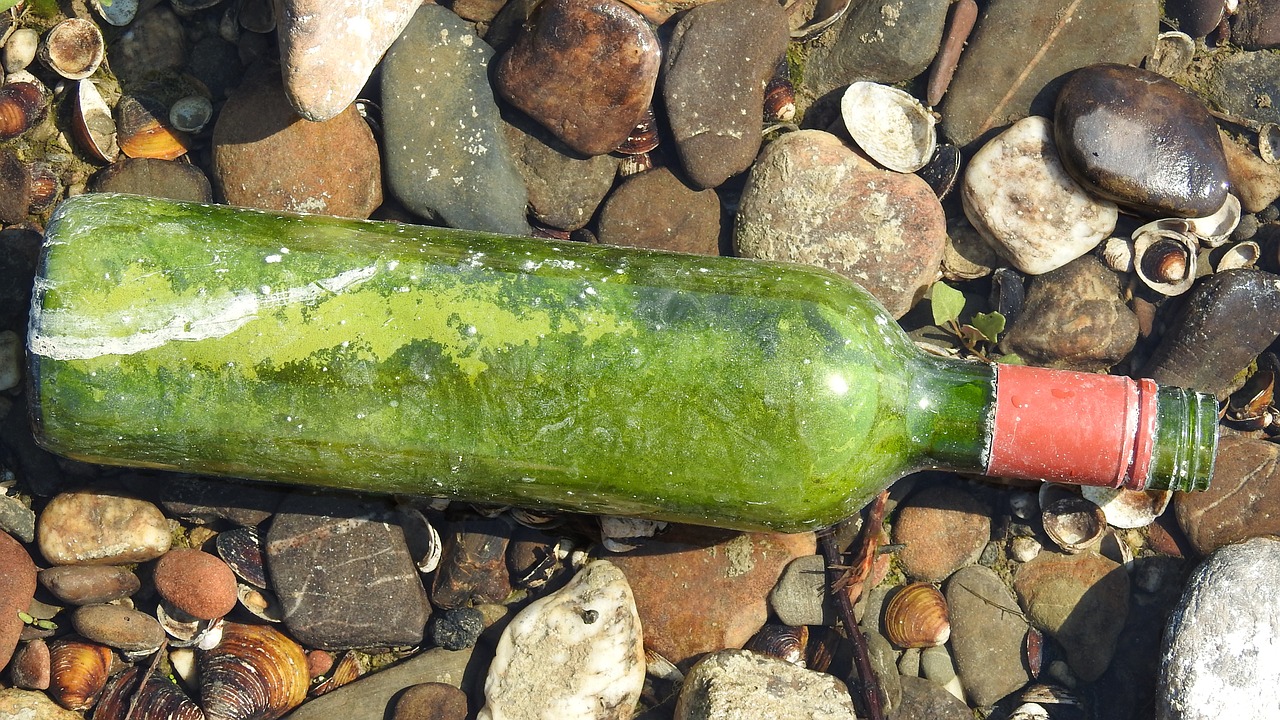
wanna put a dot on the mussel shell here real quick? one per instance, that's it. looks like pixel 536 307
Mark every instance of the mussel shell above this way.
pixel 917 617
pixel 78 671
pixel 142 129
pixel 785 642
pixel 22 106
pixel 943 170
pixel 157 699
pixel 73 48
pixel 1074 523
pixel 241 548
pixel 1213 230
pixel 892 127
pixel 348 668
pixel 643 137
pixel 93 125
pixel 1124 508
pixel 780 96
pixel 46 188
pixel 1164 255
pixel 254 673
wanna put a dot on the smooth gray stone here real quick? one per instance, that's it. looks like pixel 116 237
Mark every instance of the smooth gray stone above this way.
pixel 1240 82
pixel 17 519
pixel 564 189
pixel 800 597
pixel 882 42
pixel 927 700
pixel 987 632
pixel 368 697
pixel 445 152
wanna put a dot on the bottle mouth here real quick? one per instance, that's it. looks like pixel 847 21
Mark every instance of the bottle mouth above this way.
pixel 1186 440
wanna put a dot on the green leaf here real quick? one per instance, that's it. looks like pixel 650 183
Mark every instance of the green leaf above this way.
pixel 989 324
pixel 25 618
pixel 947 302
pixel 1011 359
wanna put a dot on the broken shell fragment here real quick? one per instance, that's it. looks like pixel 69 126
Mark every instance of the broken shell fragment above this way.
pixel 1269 143
pixel 241 549
pixel 917 617
pixel 191 113
pixel 891 126
pixel 1213 230
pixel 1117 253
pixel 93 126
pixel 1074 523
pixel 73 48
pixel 22 106
pixel 1172 53
pixel 643 137
pixel 160 697
pixel 260 603
pixel 1125 508
pixel 1241 255
pixel 1164 256
pixel 46 188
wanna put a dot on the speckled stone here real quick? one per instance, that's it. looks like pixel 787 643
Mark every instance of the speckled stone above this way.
pixel 987 634
pixel 943 528
pixel 1256 25
pixel 1247 85
pixel 741 685
pixel 32 705
pixel 656 209
pixel 88 528
pixel 17 587
pixel 1243 501
pixel 881 42
pixel 564 189
pixel 118 627
pixel 196 583
pixel 1140 140
pixel 89 584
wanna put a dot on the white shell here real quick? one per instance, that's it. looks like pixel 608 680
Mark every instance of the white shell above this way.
pixel 1269 143
pixel 1125 508
pixel 1117 253
pixel 1213 230
pixel 615 532
pixel 95 128
pixel 1074 523
pixel 1241 255
pixel 1172 53
pixel 1162 233
pixel 74 48
pixel 422 538
pixel 191 113
pixel 891 126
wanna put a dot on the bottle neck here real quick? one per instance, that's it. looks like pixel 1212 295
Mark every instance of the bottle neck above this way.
pixel 1061 426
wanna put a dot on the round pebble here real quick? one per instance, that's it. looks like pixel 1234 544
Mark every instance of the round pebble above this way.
pixel 196 583
pixel 118 627
pixel 17 585
pixel 431 701
pixel 88 528
pixel 943 529
pixel 29 668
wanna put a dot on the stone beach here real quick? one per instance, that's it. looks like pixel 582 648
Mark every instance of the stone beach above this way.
pixel 1100 194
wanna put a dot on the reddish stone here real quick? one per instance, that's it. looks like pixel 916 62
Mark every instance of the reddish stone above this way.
pixel 657 210
pixel 17 587
pixel 196 582
pixel 943 529
pixel 1243 499
pixel 700 590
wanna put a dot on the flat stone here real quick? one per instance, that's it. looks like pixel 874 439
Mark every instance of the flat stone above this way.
pixel 195 582
pixel 118 627
pixel 154 178
pixel 927 700
pixel 1138 139
pixel 89 584
pixel 800 597
pixel 1220 657
pixel 431 701
pixel 369 697
pixel 1074 318
pixel 266 156
pixel 742 685
pixel 811 199
pixel 1020 198
pixel 32 705
pixel 1247 85
pixel 455 166
pixel 589 632
pixel 17 519
pixel 207 500
pixel 17 587
pixel 473 566
pixel 1243 500
pixel 656 209
pixel 343 574
pixel 1256 25
pixel 881 42
pixel 584 69
pixel 328 49
pixel 1020 53
pixel 717 62
pixel 943 528
pixel 564 189
pixel 89 528
pixel 987 632
pixel 700 590
pixel 1082 601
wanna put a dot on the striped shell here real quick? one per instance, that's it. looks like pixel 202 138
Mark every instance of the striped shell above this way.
pixel 255 673
pixel 917 617
pixel 78 670
pixel 158 699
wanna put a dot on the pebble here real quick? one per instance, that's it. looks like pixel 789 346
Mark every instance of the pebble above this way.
pixel 17 587
pixel 1140 140
pixel 203 501
pixel 987 632
pixel 659 210
pixel 1082 601
pixel 699 590
pixel 811 199
pixel 927 700
pixel 564 189
pixel 473 567
pixel 265 156
pixel 1019 197
pixel 369 697
pixel 1075 318
pixel 589 632
pixel 29 669
pixel 542 73
pixel 155 178
pixel 32 705
pixel 1196 18
pixel 456 167
pixel 20 49
pixel 1227 320
pixel 196 583
pixel 89 584
pixel 1220 657
pixel 431 701
pixel 1256 25
pixel 118 627
pixel 343 574
pixel 17 519
pixel 1242 502
pixel 1255 181
pixel 1019 54
pixel 1247 85
pixel 328 49
pixel 151 46
pixel 84 527
pixel 741 685
pixel 943 529
pixel 716 64
pixel 455 629
pixel 882 42
pixel 800 596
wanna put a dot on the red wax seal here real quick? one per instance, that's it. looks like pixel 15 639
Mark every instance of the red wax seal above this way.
pixel 1071 427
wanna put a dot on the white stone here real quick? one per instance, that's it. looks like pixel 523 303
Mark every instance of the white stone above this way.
pixel 1221 655
pixel 1019 197
pixel 328 49
pixel 742 685
pixel 20 49
pixel 576 654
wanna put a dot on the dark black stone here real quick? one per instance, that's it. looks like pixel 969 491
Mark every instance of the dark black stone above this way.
pixel 456 629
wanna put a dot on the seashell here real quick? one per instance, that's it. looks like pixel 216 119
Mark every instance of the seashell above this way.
pixel 619 534
pixel 254 673
pixel 158 699
pixel 22 106
pixel 422 538
pixel 78 671
pixel 1033 646
pixel 780 96
pixel 1269 143
pixel 1239 256
pixel 1029 711
pixel 183 662
pixel 117 12
pixel 634 165
pixel 1164 256
pixel 191 113
pixel 1113 547
pixel 537 520
pixel 942 172
pixel 1024 548
pixel 1213 230
pixel 1117 254
pixel 241 549
pixel 890 125
pixel 1172 53
pixel 785 642
pixel 1074 523
pixel 141 132
pixel 92 124
pixel 46 188
pixel 73 48
pixel 1051 492
pixel 185 630
pixel 1124 508
pixel 260 602
pixel 643 137
pixel 348 668
pixel 20 49
pixel 917 617
pixel 657 666
pixel 966 255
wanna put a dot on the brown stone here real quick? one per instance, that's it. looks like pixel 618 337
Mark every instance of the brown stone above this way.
pixel 266 156
pixel 17 586
pixel 88 528
pixel 196 582
pixel 30 670
pixel 89 584
pixel 473 563
pixel 1243 499
pixel 943 529
pixel 700 590
pixel 657 210
pixel 584 69
pixel 1255 181
pixel 431 701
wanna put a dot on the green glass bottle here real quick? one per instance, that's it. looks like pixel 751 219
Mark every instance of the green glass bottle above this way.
pixel 406 359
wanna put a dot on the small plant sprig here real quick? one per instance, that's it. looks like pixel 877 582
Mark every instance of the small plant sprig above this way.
pixel 36 622
pixel 980 335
